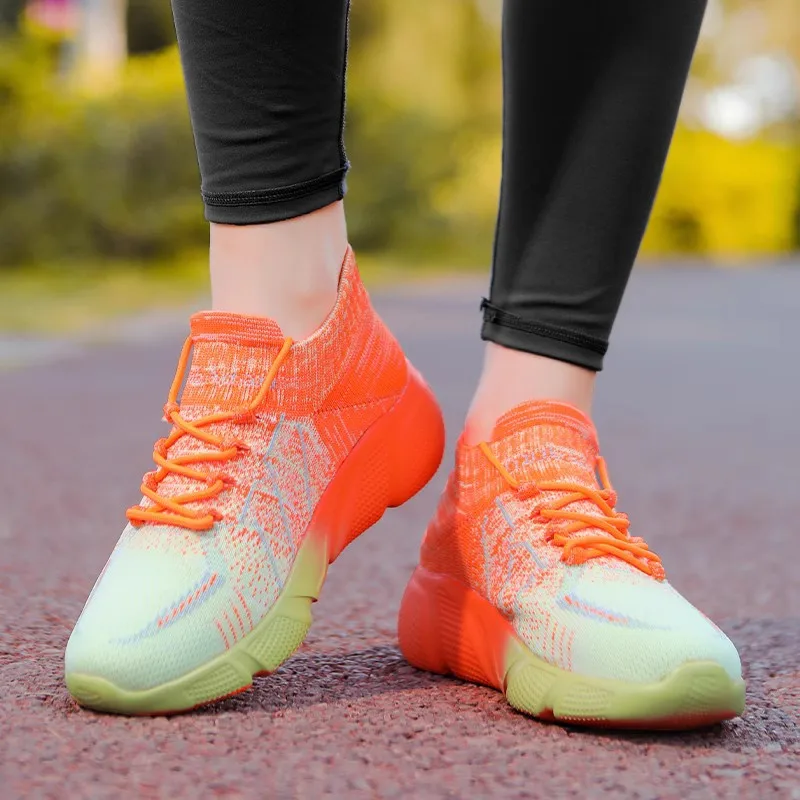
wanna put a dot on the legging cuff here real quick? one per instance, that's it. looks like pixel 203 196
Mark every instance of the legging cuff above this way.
pixel 509 330
pixel 256 207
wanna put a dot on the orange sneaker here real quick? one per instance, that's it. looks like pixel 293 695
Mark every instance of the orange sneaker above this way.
pixel 280 454
pixel 529 582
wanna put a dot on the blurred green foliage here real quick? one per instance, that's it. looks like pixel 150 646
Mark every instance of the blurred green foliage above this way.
pixel 109 176
pixel 726 198
pixel 150 26
pixel 10 11
pixel 112 175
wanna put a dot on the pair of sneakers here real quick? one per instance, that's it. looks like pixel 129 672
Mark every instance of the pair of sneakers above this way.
pixel 281 453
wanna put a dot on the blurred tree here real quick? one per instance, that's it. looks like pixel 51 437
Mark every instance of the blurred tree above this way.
pixel 10 11
pixel 150 26
pixel 423 126
pixel 112 174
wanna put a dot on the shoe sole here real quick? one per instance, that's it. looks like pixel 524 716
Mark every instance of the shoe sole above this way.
pixel 375 476
pixel 448 628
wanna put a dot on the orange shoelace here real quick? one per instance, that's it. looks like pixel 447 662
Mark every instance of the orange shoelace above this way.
pixel 578 549
pixel 174 511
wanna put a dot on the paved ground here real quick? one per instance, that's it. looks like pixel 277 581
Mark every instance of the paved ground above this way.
pixel 698 416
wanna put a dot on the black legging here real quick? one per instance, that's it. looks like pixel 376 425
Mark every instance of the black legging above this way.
pixel 591 93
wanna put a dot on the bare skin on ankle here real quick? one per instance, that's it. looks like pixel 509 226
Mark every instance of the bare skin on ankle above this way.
pixel 511 377
pixel 288 270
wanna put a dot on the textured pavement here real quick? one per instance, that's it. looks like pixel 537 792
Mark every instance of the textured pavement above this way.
pixel 697 412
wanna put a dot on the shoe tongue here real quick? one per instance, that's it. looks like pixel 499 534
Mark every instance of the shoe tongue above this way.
pixel 231 355
pixel 547 441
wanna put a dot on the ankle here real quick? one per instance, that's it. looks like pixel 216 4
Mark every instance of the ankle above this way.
pixel 287 271
pixel 511 377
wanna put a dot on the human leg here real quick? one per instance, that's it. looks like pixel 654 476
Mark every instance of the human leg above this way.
pixel 591 94
pixel 529 580
pixel 265 83
pixel 281 452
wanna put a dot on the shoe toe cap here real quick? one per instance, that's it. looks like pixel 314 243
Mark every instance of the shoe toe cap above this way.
pixel 150 619
pixel 623 625
pixel 654 630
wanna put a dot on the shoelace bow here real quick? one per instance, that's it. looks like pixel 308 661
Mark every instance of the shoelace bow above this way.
pixel 174 510
pixel 579 549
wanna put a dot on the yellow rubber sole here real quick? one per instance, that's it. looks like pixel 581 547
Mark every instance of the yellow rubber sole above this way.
pixel 695 694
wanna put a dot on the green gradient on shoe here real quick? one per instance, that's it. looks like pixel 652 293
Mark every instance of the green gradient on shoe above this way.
pixel 263 650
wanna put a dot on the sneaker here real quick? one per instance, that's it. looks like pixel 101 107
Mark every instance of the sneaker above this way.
pixel 281 453
pixel 530 582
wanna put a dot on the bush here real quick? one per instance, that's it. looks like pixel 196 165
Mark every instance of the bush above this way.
pixel 114 176
pixel 95 177
pixel 150 26
pixel 10 12
pixel 84 177
pixel 726 198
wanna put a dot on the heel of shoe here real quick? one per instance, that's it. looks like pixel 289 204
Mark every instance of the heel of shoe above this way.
pixel 446 627
pixel 393 460
pixel 417 440
pixel 418 627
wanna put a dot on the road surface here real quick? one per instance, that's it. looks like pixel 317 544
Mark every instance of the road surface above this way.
pixel 698 415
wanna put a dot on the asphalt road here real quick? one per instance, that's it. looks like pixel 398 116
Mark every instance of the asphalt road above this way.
pixel 698 415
